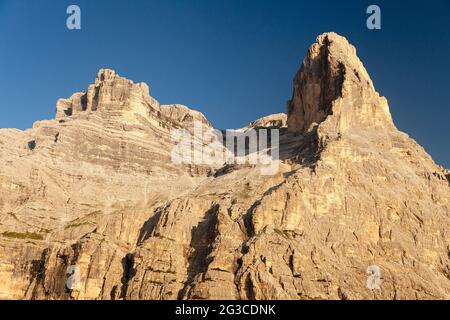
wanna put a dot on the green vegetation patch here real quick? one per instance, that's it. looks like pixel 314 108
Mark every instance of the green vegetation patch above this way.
pixel 78 224
pixel 26 235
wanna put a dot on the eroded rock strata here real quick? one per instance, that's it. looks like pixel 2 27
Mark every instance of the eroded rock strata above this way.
pixel 96 188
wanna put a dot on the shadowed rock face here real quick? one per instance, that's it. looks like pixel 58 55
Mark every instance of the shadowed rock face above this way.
pixel 96 188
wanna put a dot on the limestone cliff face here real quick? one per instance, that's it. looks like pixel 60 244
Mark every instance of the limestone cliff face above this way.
pixel 79 188
pixel 333 81
pixel 96 188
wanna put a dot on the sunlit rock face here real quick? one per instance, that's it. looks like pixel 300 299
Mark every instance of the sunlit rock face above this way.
pixel 96 189
pixel 333 81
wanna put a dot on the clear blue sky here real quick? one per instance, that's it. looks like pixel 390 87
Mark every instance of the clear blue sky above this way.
pixel 232 60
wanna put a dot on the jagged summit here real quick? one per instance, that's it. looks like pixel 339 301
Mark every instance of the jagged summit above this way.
pixel 111 95
pixel 105 74
pixel 118 98
pixel 333 81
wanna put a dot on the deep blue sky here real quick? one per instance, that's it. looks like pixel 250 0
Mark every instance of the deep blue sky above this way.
pixel 232 60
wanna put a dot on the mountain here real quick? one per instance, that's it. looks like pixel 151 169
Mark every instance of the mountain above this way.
pixel 97 189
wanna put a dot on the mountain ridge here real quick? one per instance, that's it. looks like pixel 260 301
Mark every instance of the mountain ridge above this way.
pixel 96 189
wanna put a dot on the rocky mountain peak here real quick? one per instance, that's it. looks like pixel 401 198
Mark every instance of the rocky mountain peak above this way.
pixel 109 76
pixel 333 81
pixel 105 75
pixel 277 120
pixel 119 99
pixel 101 194
pixel 112 96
